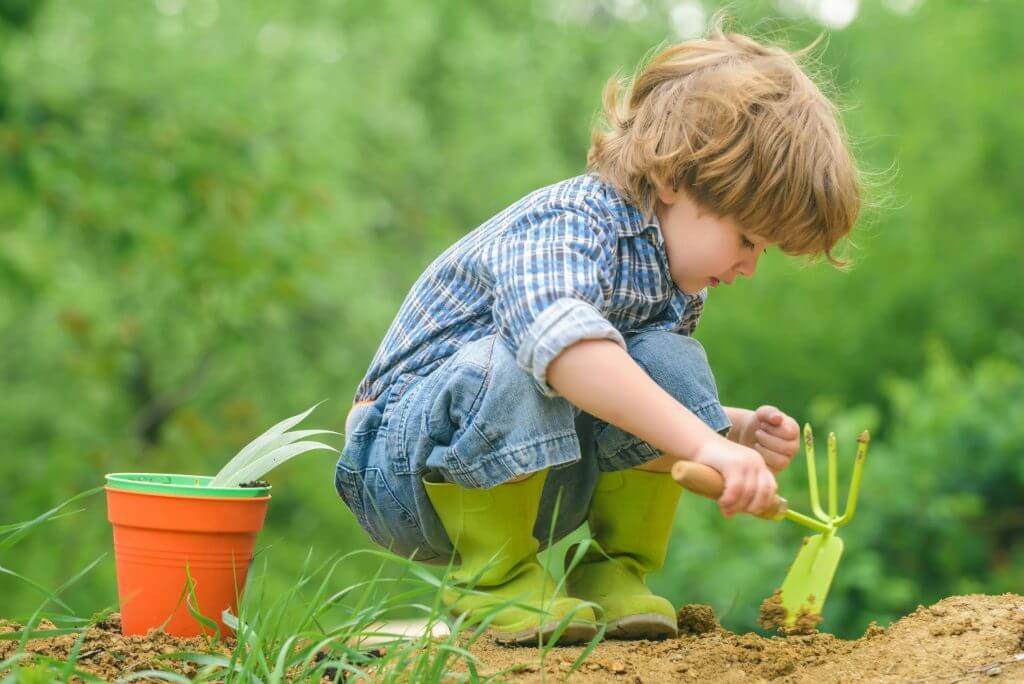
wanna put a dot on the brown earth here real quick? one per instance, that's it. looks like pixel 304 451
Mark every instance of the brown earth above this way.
pixel 108 654
pixel 960 639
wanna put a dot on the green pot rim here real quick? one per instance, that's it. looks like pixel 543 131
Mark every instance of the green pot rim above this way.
pixel 183 485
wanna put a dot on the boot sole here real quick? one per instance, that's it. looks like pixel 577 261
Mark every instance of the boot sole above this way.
pixel 651 626
pixel 575 633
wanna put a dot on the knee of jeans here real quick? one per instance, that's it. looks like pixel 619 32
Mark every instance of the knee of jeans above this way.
pixel 510 428
pixel 678 364
pixel 507 408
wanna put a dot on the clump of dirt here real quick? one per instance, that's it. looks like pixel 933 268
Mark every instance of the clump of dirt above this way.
pixel 773 617
pixel 960 638
pixel 773 614
pixel 873 630
pixel 807 622
pixel 255 484
pixel 697 618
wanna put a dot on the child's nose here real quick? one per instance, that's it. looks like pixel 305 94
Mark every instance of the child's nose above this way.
pixel 748 267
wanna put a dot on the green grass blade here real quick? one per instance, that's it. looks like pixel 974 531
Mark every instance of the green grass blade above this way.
pixel 69 666
pixel 281 664
pixel 11 527
pixel 79 575
pixel 307 616
pixel 192 605
pixel 588 649
pixel 38 587
pixel 309 667
pixel 10 662
pixel 155 674
pixel 58 666
pixel 13 534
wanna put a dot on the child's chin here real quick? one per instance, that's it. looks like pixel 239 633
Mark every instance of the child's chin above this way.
pixel 691 288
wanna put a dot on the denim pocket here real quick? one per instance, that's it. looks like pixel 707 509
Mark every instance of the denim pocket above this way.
pixel 400 407
pixel 373 502
pixel 348 484
pixel 453 399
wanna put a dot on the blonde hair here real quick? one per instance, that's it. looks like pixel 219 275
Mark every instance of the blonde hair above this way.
pixel 743 131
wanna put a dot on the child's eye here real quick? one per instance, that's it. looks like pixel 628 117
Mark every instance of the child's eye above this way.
pixel 747 244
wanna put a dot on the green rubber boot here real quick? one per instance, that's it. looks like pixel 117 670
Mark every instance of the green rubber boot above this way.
pixel 492 531
pixel 631 519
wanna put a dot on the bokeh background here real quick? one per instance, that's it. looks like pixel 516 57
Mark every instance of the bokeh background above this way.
pixel 210 212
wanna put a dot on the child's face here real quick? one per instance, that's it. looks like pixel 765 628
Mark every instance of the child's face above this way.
pixel 704 250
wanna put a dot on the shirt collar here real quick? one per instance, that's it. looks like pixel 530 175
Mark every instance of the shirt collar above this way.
pixel 651 231
pixel 634 225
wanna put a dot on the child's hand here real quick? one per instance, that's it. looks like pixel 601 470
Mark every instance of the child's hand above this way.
pixel 772 434
pixel 749 486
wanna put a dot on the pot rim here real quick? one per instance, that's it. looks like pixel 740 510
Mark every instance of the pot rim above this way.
pixel 177 484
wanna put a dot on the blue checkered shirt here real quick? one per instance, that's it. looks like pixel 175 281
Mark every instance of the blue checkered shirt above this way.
pixel 568 262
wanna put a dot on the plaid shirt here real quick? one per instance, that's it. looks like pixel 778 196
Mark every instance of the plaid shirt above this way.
pixel 568 262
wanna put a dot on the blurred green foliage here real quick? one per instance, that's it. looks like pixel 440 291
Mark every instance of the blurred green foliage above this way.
pixel 210 212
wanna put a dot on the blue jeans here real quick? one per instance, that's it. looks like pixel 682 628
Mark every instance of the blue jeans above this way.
pixel 479 420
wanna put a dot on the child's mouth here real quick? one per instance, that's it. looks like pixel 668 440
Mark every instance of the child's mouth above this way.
pixel 714 282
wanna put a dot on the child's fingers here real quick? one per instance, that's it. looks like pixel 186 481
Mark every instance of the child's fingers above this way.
pixel 776 462
pixel 776 444
pixel 775 421
pixel 748 490
pixel 727 502
pixel 786 428
pixel 770 415
pixel 737 494
pixel 765 493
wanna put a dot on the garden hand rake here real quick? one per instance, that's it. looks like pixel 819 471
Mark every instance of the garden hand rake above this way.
pixel 807 583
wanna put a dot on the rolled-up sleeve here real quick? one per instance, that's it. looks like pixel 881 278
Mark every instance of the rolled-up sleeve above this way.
pixel 551 279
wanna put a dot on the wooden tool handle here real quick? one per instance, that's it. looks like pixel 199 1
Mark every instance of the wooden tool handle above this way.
pixel 706 481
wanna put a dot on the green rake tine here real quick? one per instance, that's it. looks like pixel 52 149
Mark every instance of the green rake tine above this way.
pixel 808 521
pixel 812 474
pixel 833 483
pixel 863 440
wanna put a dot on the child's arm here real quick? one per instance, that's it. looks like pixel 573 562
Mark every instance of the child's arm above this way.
pixel 600 377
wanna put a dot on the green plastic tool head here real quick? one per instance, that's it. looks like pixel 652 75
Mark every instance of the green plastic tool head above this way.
pixel 806 586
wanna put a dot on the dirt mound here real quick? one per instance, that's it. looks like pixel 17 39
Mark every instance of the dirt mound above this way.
pixel 963 638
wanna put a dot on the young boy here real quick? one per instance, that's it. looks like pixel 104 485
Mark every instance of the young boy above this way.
pixel 548 354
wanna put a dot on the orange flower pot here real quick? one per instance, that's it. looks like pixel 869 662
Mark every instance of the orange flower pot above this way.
pixel 156 536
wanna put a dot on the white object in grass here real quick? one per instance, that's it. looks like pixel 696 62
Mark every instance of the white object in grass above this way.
pixel 269 450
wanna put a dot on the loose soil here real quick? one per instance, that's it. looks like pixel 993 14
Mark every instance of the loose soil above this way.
pixel 959 639
pixel 773 617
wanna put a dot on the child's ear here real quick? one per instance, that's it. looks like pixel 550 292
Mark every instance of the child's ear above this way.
pixel 666 194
